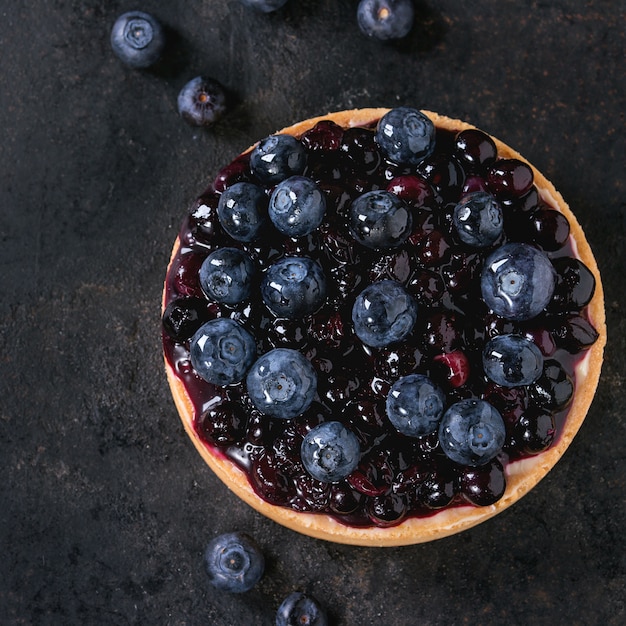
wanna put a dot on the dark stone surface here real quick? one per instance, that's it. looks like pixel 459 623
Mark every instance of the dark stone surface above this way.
pixel 106 507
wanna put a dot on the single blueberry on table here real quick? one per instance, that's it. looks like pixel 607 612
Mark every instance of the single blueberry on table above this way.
pixel 383 313
pixel 478 220
pixel 379 219
pixel 234 562
pixel 222 351
pixel 512 361
pixel 282 383
pixel 278 157
pixel 415 405
pixel 226 275
pixel 385 19
pixel 242 211
pixel 330 452
pixel 265 6
pixel 297 206
pixel 137 39
pixel 471 432
pixel 300 609
pixel 293 287
pixel 202 101
pixel 517 281
pixel 406 135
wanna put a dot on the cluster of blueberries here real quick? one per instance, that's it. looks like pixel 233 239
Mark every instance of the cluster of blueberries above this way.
pixel 235 563
pixel 517 283
pixel 138 39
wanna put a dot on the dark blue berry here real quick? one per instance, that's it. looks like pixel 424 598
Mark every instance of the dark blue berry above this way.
pixel 137 39
pixel 300 609
pixel 554 389
pixel 202 101
pixel 242 211
pixel 330 452
pixel 226 275
pixel 234 562
pixel 222 351
pixel 517 281
pixel 379 219
pixel 415 405
pixel 512 361
pixel 406 135
pixel 471 432
pixel 265 6
pixel 182 317
pixel 297 206
pixel 383 313
pixel 478 220
pixel 294 287
pixel 282 383
pixel 385 19
pixel 278 157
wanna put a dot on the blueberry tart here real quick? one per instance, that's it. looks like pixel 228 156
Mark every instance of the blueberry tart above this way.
pixel 381 327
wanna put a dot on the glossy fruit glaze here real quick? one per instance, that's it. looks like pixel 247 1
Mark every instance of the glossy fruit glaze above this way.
pixel 398 476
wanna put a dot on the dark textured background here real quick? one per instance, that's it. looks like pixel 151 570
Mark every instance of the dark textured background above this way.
pixel 105 506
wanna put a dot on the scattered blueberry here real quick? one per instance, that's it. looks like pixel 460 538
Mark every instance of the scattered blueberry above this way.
pixel 415 405
pixel 226 275
pixel 234 562
pixel 137 39
pixel 330 452
pixel 379 219
pixel 265 6
pixel 383 313
pixel 182 317
pixel 222 351
pixel 517 281
pixel 512 361
pixel 282 383
pixel 477 219
pixel 297 206
pixel 471 432
pixel 385 19
pixel 294 287
pixel 242 211
pixel 202 101
pixel 278 157
pixel 300 609
pixel 406 135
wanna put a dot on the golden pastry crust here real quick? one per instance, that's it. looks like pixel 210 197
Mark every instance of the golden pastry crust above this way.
pixel 521 475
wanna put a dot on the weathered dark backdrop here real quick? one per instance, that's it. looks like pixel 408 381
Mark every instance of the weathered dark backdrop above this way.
pixel 105 506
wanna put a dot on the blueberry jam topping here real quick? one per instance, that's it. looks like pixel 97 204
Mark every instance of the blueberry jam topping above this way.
pixel 372 323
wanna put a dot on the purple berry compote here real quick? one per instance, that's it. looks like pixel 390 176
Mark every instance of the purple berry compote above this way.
pixel 466 223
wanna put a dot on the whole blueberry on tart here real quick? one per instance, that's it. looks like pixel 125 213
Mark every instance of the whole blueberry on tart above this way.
pixel 394 363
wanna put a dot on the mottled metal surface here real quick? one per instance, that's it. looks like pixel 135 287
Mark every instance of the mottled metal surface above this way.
pixel 105 505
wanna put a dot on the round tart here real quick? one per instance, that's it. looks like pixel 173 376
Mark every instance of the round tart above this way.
pixel 382 327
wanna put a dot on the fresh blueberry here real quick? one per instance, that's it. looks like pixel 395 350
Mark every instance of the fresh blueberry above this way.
pixel 265 6
pixel 415 405
pixel 385 19
pixel 226 275
pixel 379 219
pixel 294 287
pixel 300 609
pixel 406 135
pixel 383 313
pixel 242 211
pixel 202 101
pixel 234 562
pixel 330 452
pixel 512 361
pixel 278 157
pixel 478 219
pixel 137 39
pixel 471 432
pixel 282 383
pixel 517 281
pixel 297 206
pixel 222 351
